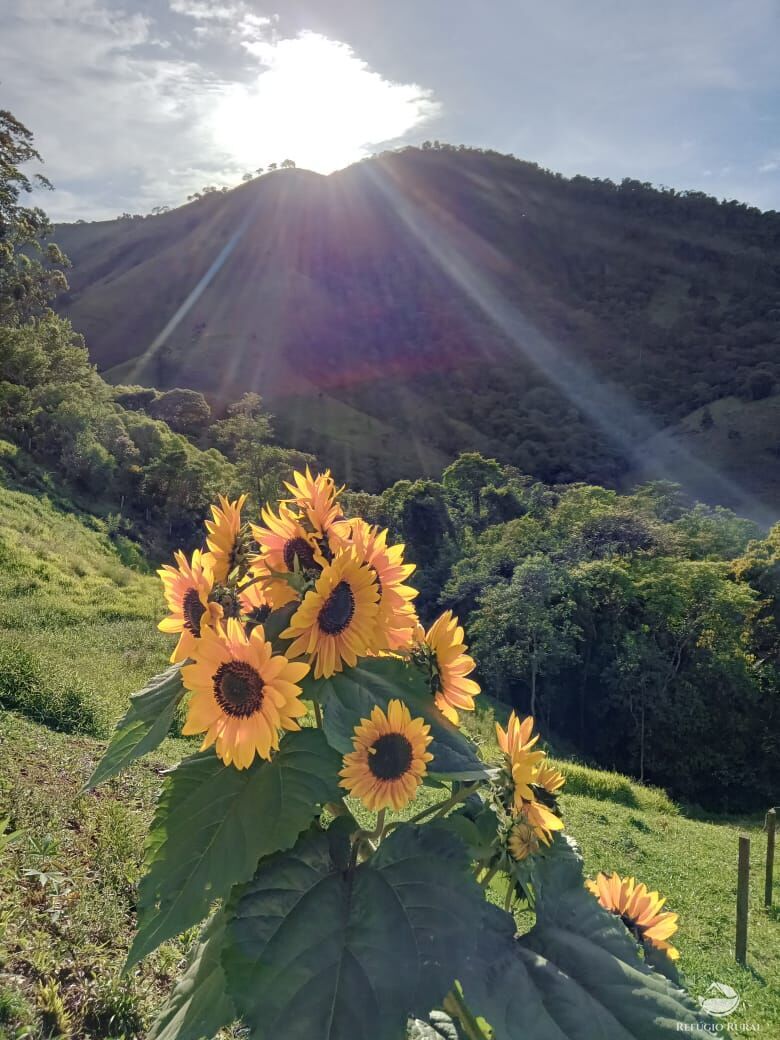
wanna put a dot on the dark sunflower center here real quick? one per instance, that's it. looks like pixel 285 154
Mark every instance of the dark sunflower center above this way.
pixel 298 547
pixel 193 610
pixel 233 555
pixel 632 926
pixel 228 600
pixel 392 757
pixel 337 610
pixel 238 689
pixel 257 615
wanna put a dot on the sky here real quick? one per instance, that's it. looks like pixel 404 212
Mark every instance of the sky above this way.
pixel 137 103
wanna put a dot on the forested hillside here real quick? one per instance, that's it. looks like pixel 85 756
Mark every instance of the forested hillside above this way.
pixel 437 300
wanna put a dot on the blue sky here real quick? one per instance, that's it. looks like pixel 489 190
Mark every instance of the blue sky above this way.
pixel 136 103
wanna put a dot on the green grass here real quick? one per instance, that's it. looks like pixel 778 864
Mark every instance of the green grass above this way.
pixel 366 450
pixel 742 443
pixel 85 621
pixel 67 882
pixel 694 864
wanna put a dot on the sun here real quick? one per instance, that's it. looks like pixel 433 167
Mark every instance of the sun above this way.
pixel 315 102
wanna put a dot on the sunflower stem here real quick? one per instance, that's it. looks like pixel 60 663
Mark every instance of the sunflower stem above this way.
pixel 455 1006
pixel 247 584
pixel 317 714
pixel 380 825
pixel 363 837
pixel 439 808
pixel 510 895
pixel 488 876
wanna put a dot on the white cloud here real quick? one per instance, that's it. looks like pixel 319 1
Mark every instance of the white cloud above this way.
pixel 130 113
pixel 317 103
pixel 203 10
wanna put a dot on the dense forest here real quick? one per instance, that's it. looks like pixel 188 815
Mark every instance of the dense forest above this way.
pixel 441 299
pixel 641 628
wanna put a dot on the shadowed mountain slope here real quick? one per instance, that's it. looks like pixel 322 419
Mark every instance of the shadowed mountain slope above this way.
pixel 430 301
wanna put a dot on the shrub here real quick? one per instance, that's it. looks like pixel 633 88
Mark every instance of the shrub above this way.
pixel 112 1009
pixel 62 704
pixel 15 1012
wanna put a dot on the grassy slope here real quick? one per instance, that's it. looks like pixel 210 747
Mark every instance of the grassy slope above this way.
pixel 67 598
pixel 354 435
pixel 744 438
pixel 64 591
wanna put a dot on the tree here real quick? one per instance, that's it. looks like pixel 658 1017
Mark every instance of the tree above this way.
pixel 524 630
pixel 713 532
pixel 185 411
pixel 465 478
pixel 287 164
pixel 30 270
pixel 137 398
pixel 245 421
pixel 759 568
pixel 688 625
pixel 244 436
pixel 248 177
pixel 419 516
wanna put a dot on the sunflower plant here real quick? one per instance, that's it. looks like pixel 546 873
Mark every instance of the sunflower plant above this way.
pixel 356 869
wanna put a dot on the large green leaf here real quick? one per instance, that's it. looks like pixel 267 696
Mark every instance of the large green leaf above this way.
pixel 350 695
pixel 145 725
pixel 199 1005
pixel 476 824
pixel 576 975
pixel 562 900
pixel 318 953
pixel 213 823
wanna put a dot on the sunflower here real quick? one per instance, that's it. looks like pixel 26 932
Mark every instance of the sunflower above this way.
pixel 550 778
pixel 336 623
pixel 316 496
pixel 543 820
pixel 638 909
pixel 390 758
pixel 222 535
pixel 524 768
pixel 262 589
pixel 523 839
pixel 396 620
pixel 451 664
pixel 243 695
pixel 186 588
pixel 518 735
pixel 255 605
pixel 284 540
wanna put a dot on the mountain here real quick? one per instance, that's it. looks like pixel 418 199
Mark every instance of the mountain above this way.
pixel 435 300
